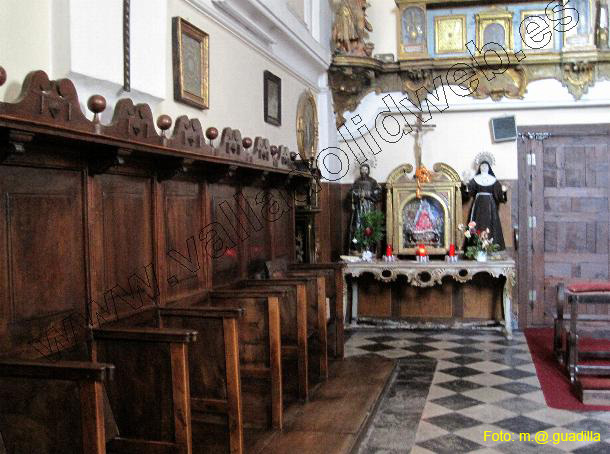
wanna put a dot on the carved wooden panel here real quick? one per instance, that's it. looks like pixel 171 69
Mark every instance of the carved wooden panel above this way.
pixel 283 227
pixel 182 249
pixel 42 246
pixel 259 229
pixel 224 216
pixel 122 245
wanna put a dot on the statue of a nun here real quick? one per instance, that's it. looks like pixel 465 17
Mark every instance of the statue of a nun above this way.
pixel 488 193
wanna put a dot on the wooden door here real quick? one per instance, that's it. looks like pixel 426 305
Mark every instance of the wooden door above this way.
pixel 566 212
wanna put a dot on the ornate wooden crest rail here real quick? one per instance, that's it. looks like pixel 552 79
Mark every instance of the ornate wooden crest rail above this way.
pixel 431 274
pixel 51 108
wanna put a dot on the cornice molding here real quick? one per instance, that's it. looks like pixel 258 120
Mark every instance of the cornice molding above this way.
pixel 258 26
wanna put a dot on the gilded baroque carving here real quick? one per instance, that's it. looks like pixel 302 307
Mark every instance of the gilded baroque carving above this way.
pixel 578 77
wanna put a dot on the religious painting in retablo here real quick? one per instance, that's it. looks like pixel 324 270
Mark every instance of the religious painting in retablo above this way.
pixel 423 222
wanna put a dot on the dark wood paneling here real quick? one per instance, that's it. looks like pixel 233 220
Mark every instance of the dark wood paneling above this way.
pixel 43 245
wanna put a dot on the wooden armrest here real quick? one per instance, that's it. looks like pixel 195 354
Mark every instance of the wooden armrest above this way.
pixel 60 370
pixel 280 280
pixel 249 292
pixel 316 266
pixel 160 335
pixel 202 312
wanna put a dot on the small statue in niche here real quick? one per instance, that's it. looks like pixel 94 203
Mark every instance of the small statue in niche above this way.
pixel 488 193
pixel 351 27
pixel 364 195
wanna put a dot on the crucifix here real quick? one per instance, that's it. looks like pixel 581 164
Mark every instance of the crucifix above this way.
pixel 422 174
pixel 420 129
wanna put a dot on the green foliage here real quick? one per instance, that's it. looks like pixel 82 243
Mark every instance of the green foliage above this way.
pixel 376 221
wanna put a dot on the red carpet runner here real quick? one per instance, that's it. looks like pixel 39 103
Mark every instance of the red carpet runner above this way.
pixel 552 376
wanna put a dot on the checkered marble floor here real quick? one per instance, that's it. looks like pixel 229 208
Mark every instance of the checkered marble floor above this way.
pixel 452 386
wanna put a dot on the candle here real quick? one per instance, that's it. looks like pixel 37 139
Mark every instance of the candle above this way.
pixel 451 250
pixel 388 250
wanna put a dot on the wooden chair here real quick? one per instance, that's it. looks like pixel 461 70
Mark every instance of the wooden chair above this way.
pixel 260 355
pixel 51 407
pixel 215 383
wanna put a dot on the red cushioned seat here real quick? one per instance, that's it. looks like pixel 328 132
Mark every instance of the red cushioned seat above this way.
pixel 589 286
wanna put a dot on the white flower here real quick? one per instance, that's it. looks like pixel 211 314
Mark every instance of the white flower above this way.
pixel 355 241
pixel 467 233
pixel 461 227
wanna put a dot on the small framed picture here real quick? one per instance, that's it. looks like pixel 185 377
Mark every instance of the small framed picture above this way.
pixel 190 49
pixel 273 98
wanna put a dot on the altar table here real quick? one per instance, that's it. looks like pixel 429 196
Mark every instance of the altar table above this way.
pixel 429 274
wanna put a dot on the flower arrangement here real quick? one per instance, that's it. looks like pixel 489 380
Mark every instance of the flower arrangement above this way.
pixel 478 241
pixel 371 230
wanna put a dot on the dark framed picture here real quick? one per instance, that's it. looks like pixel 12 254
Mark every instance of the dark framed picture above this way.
pixel 190 51
pixel 273 99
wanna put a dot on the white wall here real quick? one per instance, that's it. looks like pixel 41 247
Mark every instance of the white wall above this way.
pixel 463 129
pixel 24 41
pixel 83 40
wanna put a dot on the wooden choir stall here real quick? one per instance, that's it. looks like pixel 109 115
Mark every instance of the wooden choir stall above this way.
pixel 131 319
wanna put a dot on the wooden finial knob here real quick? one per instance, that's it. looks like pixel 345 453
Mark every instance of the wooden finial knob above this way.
pixel 2 76
pixel 211 133
pixel 247 142
pixel 293 156
pixel 273 150
pixel 164 122
pixel 96 104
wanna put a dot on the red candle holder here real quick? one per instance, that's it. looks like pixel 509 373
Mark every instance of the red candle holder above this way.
pixel 451 250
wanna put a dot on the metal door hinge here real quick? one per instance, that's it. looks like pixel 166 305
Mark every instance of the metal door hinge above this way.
pixel 531 222
pixel 531 297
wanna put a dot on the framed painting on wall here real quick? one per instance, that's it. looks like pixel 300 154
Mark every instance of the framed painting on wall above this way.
pixel 536 30
pixel 495 29
pixel 411 31
pixel 273 98
pixel 450 34
pixel 190 52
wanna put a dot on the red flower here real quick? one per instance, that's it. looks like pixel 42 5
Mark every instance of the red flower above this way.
pixel 368 231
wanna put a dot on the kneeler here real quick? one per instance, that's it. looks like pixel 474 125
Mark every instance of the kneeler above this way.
pixel 316 318
pixel 332 272
pixel 215 383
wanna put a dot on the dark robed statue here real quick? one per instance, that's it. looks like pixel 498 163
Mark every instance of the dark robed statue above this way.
pixel 364 194
pixel 488 193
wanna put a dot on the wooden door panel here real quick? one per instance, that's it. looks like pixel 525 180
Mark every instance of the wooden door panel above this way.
pixel 569 198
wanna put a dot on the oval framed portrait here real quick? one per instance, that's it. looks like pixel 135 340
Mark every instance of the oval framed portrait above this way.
pixel 307 126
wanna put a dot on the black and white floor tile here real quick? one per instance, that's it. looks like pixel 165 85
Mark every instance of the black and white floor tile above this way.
pixel 451 387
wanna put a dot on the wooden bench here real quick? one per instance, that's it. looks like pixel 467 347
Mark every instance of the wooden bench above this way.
pixel 61 403
pixel 562 327
pixel 215 383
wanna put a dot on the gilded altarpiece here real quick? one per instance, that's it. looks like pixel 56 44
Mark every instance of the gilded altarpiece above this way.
pixel 431 219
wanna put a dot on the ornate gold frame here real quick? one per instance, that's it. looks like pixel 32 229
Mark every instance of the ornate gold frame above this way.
pixel 401 189
pixel 201 100
pixel 495 16
pixel 437 21
pixel 528 13
pixel 402 54
pixel 590 35
pixel 307 154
